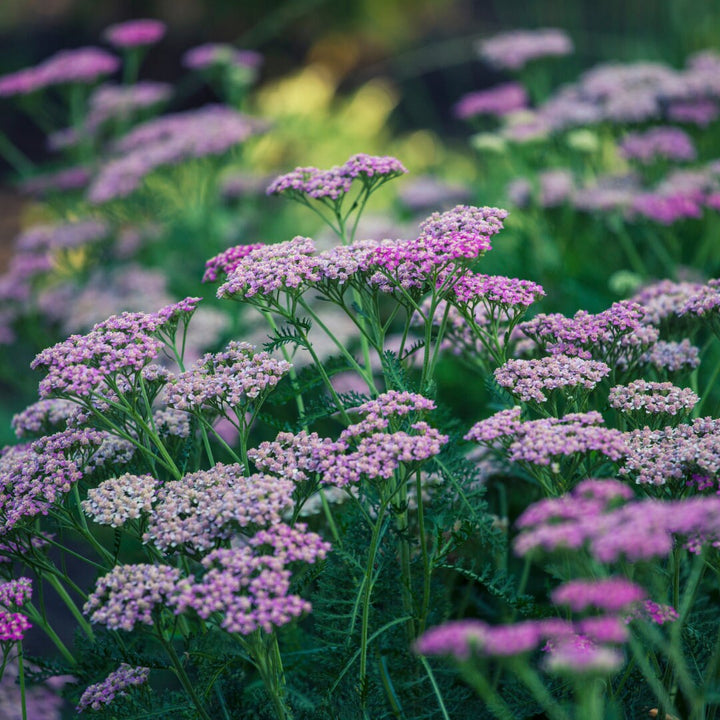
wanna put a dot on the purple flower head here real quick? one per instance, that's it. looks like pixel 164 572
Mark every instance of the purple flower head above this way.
pixel 237 377
pixel 169 140
pixel 227 261
pixel 610 594
pixel 82 65
pixel 701 112
pixel 135 33
pixel 503 424
pixel 72 178
pixel 33 477
pixel 335 183
pixel 705 302
pixel 515 49
pixel 114 685
pixel 672 356
pixel 41 416
pixel 495 290
pixel 128 594
pixel 658 143
pixel 579 655
pixel 498 101
pixel 215 54
pixel 14 594
pixel 666 299
pixel 292 456
pixel 530 379
pixel 52 238
pixel 665 209
pixel 209 506
pixel 249 586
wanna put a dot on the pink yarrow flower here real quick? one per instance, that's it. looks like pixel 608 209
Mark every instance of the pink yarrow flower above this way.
pixel 135 33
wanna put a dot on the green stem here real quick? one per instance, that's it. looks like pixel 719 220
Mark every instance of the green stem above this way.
pixel 21 678
pixel 74 609
pixel 37 620
pixel 436 689
pixel 536 686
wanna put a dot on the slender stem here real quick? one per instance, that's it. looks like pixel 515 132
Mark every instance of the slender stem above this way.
pixel 21 678
pixel 427 570
pixel 436 689
pixel 62 592
pixel 536 686
pixel 39 621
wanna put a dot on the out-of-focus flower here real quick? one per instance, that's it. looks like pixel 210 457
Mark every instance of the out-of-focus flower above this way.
pixel 214 54
pixel 135 33
pixel 499 100
pixel 515 49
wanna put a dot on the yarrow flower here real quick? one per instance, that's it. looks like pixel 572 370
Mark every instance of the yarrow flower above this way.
pixel 14 594
pixel 227 261
pixel 652 398
pixel 119 499
pixel 43 415
pixel 665 209
pixel 530 379
pixel 513 50
pixel 249 586
pixel 666 143
pixel 609 594
pixel 114 685
pixel 209 506
pixel 214 54
pixel 335 183
pixel 292 456
pixel 135 33
pixel 498 101
pixel 129 594
pixel 672 357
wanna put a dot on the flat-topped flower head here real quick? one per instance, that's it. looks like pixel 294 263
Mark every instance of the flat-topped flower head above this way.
pixel 672 357
pixel 292 456
pixel 82 65
pixel 129 594
pixel 515 49
pixel 34 477
pixel 652 398
pixel 119 499
pixel 497 292
pixel 212 55
pixel 665 208
pixel 335 183
pixel 210 506
pixel 580 655
pixel 609 594
pixel 499 100
pixel 658 143
pixel 238 377
pixel 135 33
pixel 530 380
pixel 114 685
pixel 249 587
pixel 227 261
pixel 42 416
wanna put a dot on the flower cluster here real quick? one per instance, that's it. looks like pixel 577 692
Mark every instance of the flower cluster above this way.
pixel 227 261
pixel 652 398
pixel 513 50
pixel 219 54
pixel 249 586
pixel 238 377
pixel 14 593
pixel 42 416
pixel 83 65
pixel 667 143
pixel 209 506
pixel 119 499
pixel 673 453
pixel 590 517
pixel 529 379
pixel 168 140
pixel 33 477
pixel 498 100
pixel 335 183
pixel 114 685
pixel 129 594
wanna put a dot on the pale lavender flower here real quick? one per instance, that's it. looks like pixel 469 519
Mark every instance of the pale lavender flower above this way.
pixel 665 209
pixel 227 261
pixel 426 192
pixel 114 685
pixel 128 594
pixel 556 187
pixel 515 49
pixel 699 112
pixel 292 456
pixel 529 379
pixel 41 416
pixel 209 506
pixel 672 356
pixel 72 178
pixel 48 238
pixel 498 100
pixel 119 499
pixel 666 299
pixel 658 143
pixel 652 398
pixel 214 54
pixel 135 33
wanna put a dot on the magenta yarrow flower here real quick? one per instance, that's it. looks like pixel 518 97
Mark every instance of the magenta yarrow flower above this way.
pixel 41 416
pixel 665 209
pixel 579 655
pixel 496 290
pixel 515 49
pixel 114 685
pixel 609 594
pixel 33 477
pixel 498 100
pixel 227 261
pixel 135 33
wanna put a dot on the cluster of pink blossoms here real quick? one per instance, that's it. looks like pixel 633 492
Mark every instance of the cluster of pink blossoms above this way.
pixel 335 183
pixel 667 143
pixel 114 685
pixel 499 100
pixel 594 518
pixel 530 379
pixel 135 33
pixel 652 398
pixel 513 50
pixel 14 594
